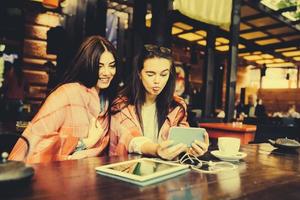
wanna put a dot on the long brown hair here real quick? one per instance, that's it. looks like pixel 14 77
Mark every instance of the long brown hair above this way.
pixel 84 68
pixel 135 91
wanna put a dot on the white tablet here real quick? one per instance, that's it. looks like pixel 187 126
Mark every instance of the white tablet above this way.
pixel 186 135
pixel 142 171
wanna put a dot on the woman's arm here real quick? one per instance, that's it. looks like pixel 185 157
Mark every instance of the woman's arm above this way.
pixel 42 131
pixel 41 134
pixel 165 150
pixel 150 148
pixel 198 147
pixel 125 139
pixel 95 133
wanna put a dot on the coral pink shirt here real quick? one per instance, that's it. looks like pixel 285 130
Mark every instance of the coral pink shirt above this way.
pixel 64 118
pixel 125 125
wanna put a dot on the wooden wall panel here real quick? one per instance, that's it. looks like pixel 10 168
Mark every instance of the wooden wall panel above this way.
pixel 36 49
pixel 36 77
pixel 37 23
pixel 241 79
pixel 278 100
pixel 31 63
pixel 45 19
pixel 37 92
pixel 36 32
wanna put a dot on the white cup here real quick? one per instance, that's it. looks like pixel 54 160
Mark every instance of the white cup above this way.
pixel 229 145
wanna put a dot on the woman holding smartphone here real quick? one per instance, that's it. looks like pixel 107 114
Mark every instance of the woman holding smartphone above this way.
pixel 73 121
pixel 146 109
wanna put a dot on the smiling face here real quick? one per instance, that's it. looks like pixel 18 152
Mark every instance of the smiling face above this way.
pixel 107 70
pixel 155 75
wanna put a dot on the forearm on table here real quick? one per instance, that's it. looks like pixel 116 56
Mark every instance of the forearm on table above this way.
pixel 149 148
pixel 89 142
pixel 92 140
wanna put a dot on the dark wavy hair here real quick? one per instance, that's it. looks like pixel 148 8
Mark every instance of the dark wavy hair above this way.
pixel 135 91
pixel 85 65
pixel 84 68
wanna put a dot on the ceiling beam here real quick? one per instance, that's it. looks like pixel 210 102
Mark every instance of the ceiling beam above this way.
pixel 271 36
pixel 287 9
pixel 250 45
pixel 283 45
pixel 263 28
pixel 253 17
pixel 296 22
pixel 270 49
pixel 275 15
pixel 177 16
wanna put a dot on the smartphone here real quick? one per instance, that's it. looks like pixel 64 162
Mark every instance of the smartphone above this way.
pixel 186 135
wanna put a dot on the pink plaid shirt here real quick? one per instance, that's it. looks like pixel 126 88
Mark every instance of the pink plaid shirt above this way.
pixel 64 118
pixel 125 126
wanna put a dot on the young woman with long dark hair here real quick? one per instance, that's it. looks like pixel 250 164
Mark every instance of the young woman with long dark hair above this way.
pixel 146 109
pixel 74 119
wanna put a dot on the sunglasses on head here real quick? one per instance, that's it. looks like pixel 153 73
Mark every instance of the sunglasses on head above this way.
pixel 158 49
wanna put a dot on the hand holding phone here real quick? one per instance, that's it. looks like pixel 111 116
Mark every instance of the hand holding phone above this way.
pixel 186 135
pixel 168 151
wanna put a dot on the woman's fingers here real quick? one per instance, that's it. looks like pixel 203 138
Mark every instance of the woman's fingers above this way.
pixel 168 152
pixel 199 148
pixel 192 152
pixel 206 138
pixel 162 150
pixel 196 150
pixel 94 134
pixel 166 144
pixel 176 150
pixel 92 122
pixel 77 155
pixel 202 145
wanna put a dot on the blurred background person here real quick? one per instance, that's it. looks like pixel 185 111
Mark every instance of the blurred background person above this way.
pixel 15 88
pixel 239 108
pixel 260 110
pixel 292 112
pixel 254 108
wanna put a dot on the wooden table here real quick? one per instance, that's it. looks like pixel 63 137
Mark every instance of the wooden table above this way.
pixel 264 174
pixel 244 132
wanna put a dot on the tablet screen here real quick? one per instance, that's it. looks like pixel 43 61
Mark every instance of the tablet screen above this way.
pixel 142 168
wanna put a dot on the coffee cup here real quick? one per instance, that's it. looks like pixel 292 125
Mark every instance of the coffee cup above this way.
pixel 229 145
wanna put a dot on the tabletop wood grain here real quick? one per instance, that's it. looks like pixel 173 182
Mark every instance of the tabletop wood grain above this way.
pixel 266 173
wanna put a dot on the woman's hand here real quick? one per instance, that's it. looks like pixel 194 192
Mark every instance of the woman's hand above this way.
pixel 77 155
pixel 95 133
pixel 198 147
pixel 166 151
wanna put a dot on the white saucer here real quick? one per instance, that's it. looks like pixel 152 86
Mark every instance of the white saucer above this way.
pixel 226 157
